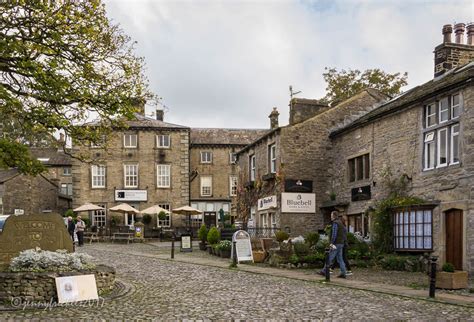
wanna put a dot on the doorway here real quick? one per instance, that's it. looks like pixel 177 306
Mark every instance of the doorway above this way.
pixel 210 219
pixel 454 238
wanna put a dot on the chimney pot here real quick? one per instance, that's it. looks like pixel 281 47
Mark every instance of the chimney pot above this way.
pixel 470 34
pixel 274 118
pixel 447 31
pixel 459 29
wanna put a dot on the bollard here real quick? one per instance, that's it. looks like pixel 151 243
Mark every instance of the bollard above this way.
pixel 172 246
pixel 433 276
pixel 327 271
pixel 234 254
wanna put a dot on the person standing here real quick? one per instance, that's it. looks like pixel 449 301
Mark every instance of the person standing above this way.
pixel 345 249
pixel 337 240
pixel 80 226
pixel 71 227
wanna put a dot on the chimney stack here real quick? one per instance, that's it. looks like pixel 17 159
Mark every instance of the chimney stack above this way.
pixel 470 34
pixel 447 32
pixel 274 118
pixel 459 29
pixel 159 114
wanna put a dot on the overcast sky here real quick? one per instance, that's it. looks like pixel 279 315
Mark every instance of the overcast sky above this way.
pixel 227 63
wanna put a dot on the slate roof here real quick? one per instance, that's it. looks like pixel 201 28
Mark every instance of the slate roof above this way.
pixel 54 156
pixel 6 175
pixel 143 122
pixel 219 136
pixel 450 80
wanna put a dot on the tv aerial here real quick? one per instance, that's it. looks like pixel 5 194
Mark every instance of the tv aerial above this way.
pixel 293 93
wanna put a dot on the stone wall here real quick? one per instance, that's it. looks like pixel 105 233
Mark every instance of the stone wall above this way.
pixel 41 286
pixel 451 55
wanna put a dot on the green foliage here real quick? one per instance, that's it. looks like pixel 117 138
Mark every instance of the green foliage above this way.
pixel 202 233
pixel 213 236
pixel 162 215
pixel 408 263
pixel 448 267
pixel 147 219
pixel 361 263
pixel 294 259
pixel 344 84
pixel 225 245
pixel 312 239
pixel 314 258
pixel 37 260
pixel 68 213
pixel 321 245
pixel 59 63
pixel 351 239
pixel 280 236
pixel 353 254
pixel 301 249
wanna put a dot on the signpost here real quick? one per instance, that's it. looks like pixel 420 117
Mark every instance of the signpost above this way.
pixel 186 243
pixel 243 247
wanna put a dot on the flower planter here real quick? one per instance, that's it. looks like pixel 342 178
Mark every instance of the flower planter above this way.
pixel 452 281
pixel 225 253
pixel 258 256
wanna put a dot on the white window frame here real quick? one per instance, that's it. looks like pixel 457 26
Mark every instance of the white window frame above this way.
pixel 232 158
pixel 163 175
pixel 98 173
pixel 458 106
pixel 130 179
pixel 99 217
pixel 67 171
pixel 128 140
pixel 163 141
pixel 206 157
pixel 413 227
pixel 252 166
pixel 132 224
pixel 452 135
pixel 272 157
pixel 206 189
pixel 445 111
pixel 264 220
pixel 167 221
pixel 429 142
pixel 438 159
pixel 432 115
pixel 233 186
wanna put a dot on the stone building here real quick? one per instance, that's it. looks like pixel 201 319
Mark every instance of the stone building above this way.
pixel 214 174
pixel 424 138
pixel 285 174
pixel 146 164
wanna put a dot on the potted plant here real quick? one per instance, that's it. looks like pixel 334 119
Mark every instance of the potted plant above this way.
pixel 451 279
pixel 202 235
pixel 213 237
pixel 225 248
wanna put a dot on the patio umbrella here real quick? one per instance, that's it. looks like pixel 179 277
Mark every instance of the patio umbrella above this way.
pixel 88 207
pixel 188 211
pixel 153 210
pixel 125 208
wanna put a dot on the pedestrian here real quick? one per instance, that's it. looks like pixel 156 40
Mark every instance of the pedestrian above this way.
pixel 337 240
pixel 80 226
pixel 71 227
pixel 345 249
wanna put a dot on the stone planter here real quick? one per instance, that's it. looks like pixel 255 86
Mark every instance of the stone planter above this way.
pixel 225 253
pixel 258 256
pixel 202 245
pixel 452 281
pixel 209 249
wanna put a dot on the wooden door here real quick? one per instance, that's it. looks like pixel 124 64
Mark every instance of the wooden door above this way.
pixel 454 238
pixel 210 219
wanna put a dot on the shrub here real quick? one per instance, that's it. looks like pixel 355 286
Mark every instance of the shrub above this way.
pixel 301 249
pixel 37 260
pixel 353 254
pixel 321 245
pixel 401 263
pixel 162 215
pixel 314 258
pixel 351 239
pixel 281 236
pixel 312 239
pixel 448 267
pixel 69 213
pixel 213 236
pixel 294 259
pixel 146 219
pixel 225 245
pixel 361 263
pixel 202 233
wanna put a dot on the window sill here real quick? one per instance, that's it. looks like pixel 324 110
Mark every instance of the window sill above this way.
pixel 163 187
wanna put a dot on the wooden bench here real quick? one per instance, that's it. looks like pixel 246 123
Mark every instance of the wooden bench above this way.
pixel 91 236
pixel 122 236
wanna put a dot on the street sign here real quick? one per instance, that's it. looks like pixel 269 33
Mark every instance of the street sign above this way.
pixel 243 246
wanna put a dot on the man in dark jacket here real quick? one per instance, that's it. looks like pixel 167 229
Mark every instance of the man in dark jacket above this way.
pixel 337 240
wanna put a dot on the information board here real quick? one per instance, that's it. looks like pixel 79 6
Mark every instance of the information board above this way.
pixel 76 288
pixel 186 243
pixel 243 246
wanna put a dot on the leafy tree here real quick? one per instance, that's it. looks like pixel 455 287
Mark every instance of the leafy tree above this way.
pixel 344 84
pixel 61 64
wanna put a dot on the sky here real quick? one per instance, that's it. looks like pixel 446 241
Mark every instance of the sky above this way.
pixel 228 63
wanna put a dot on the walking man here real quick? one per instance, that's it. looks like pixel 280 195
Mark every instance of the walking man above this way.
pixel 337 240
